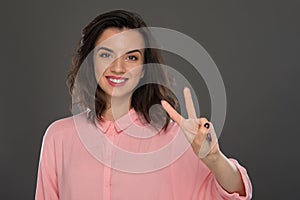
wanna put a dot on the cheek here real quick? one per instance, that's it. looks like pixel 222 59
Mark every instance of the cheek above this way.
pixel 99 70
pixel 137 73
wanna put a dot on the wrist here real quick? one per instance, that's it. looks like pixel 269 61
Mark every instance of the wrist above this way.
pixel 213 158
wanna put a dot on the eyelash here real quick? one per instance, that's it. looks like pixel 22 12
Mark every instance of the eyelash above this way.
pixel 105 55
pixel 130 57
pixel 133 58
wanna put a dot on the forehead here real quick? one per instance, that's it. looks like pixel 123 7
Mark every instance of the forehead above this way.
pixel 120 40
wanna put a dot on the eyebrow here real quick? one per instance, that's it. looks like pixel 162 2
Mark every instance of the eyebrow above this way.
pixel 110 50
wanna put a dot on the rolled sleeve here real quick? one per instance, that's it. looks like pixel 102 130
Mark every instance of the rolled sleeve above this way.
pixel 235 196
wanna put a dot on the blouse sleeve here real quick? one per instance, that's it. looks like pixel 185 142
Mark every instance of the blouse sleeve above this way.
pixel 214 190
pixel 192 179
pixel 47 186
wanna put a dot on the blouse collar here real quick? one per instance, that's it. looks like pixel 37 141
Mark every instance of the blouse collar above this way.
pixel 120 124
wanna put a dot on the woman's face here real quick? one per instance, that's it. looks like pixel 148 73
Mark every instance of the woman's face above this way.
pixel 118 61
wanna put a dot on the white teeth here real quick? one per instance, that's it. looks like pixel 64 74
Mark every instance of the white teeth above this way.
pixel 116 80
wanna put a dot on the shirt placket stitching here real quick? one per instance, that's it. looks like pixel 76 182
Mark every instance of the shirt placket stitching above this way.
pixel 107 169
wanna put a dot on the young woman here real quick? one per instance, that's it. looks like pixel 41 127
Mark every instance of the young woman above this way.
pixel 82 157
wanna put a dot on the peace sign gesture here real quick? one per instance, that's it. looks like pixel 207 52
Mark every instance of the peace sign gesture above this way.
pixel 199 132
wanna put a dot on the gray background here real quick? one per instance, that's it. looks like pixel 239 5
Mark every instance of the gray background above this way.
pixel 255 44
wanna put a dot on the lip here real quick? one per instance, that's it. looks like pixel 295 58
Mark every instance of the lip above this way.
pixel 117 78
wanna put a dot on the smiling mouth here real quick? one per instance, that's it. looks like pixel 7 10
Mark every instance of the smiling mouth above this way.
pixel 116 81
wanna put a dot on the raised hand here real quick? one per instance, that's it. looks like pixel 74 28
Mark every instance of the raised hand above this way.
pixel 199 131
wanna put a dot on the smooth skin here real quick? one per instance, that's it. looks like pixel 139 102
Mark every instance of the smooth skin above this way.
pixel 118 53
pixel 225 171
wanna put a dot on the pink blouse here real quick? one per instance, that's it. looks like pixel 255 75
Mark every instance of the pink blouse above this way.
pixel 124 159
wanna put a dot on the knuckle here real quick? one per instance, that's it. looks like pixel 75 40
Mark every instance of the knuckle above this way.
pixel 203 118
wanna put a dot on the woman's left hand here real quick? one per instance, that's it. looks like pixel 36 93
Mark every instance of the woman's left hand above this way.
pixel 199 131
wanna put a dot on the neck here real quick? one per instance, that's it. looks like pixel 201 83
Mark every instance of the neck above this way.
pixel 116 108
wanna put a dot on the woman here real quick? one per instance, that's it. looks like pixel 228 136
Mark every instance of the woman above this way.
pixel 73 164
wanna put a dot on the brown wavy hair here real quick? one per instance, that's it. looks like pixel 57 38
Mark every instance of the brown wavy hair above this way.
pixel 83 84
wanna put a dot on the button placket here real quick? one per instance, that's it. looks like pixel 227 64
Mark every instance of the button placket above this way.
pixel 108 161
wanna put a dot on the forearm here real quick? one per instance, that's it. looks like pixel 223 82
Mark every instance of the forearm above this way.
pixel 227 174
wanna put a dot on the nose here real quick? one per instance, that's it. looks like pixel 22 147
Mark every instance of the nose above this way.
pixel 117 66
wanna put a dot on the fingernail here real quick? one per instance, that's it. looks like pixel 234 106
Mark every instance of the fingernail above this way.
pixel 208 137
pixel 206 125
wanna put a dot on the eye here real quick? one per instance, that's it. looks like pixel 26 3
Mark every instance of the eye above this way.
pixel 105 55
pixel 132 58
